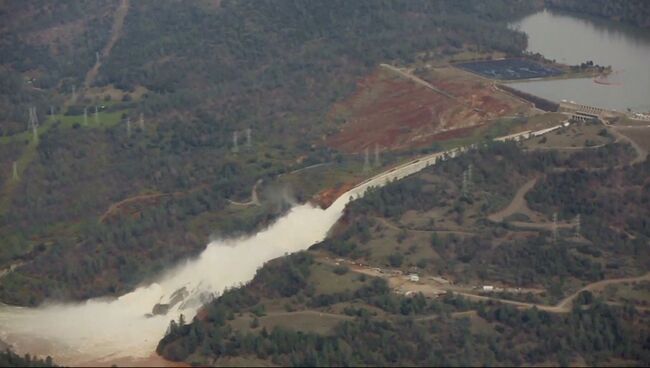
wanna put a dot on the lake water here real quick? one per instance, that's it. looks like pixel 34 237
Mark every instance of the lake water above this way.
pixel 572 40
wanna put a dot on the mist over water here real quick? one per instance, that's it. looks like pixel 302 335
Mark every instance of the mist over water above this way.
pixel 103 330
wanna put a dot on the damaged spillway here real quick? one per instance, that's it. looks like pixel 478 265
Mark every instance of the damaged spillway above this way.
pixel 104 330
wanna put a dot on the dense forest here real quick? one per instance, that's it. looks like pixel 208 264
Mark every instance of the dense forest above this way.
pixel 11 359
pixel 183 129
pixel 403 330
pixel 372 322
pixel 198 74
pixel 635 12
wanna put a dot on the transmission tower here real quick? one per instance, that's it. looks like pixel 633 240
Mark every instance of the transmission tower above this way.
pixel 33 122
pixel 15 170
pixel 578 225
pixel 377 161
pixel 33 118
pixel 235 143
pixel 366 160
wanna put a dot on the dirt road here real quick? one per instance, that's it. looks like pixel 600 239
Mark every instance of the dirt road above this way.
pixel 518 203
pixel 568 301
pixel 641 153
pixel 116 31
pixel 309 313
pixel 254 201
pixel 430 288
pixel 393 226
pixel 10 268
pixel 416 80
pixel 115 207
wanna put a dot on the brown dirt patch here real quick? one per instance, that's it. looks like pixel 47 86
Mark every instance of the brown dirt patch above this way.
pixel 395 112
pixel 326 197
pixel 131 207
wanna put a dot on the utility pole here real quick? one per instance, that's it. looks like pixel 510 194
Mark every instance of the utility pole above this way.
pixel 235 143
pixel 366 161
pixel 15 170
pixel 248 137
pixel 377 161
pixel 33 122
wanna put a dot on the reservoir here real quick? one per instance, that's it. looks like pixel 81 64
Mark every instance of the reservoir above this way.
pixel 570 39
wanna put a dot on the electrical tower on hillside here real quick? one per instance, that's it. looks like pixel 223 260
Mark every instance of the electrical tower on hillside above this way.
pixel 33 122
pixel 366 160
pixel 235 143
pixel 377 160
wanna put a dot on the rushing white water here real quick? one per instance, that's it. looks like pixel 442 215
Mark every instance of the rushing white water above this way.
pixel 103 330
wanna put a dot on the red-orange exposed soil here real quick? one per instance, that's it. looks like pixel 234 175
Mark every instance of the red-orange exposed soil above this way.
pixel 395 112
pixel 326 197
pixel 131 206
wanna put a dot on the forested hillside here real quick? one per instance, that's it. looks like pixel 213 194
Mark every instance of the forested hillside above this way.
pixel 424 271
pixel 635 12
pixel 139 169
pixel 11 359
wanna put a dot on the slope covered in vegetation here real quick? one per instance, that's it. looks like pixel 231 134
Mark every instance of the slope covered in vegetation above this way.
pixel 512 291
pixel 187 77
pixel 635 12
